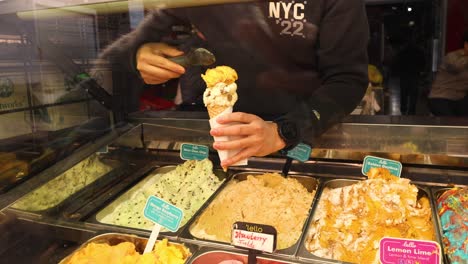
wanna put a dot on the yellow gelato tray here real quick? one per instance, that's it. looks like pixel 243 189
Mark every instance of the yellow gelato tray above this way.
pixel 343 215
pixel 286 208
pixel 114 239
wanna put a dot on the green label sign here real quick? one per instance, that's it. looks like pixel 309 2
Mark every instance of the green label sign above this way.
pixel 163 213
pixel 301 152
pixel 103 150
pixel 394 167
pixel 193 152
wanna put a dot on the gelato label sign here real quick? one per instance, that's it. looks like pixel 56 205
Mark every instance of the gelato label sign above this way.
pixel 407 251
pixel 301 152
pixel 193 152
pixel 370 162
pixel 254 236
pixel 163 213
pixel 103 150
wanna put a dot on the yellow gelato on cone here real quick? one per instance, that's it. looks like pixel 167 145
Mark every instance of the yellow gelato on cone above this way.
pixel 220 74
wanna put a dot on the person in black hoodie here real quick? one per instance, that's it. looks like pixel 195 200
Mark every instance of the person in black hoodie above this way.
pixel 302 64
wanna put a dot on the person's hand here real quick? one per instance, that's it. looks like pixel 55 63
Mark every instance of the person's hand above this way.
pixel 153 65
pixel 259 138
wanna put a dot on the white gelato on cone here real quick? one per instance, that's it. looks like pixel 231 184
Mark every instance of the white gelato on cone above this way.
pixel 219 98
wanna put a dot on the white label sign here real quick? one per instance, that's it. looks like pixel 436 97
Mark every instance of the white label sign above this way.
pixel 255 240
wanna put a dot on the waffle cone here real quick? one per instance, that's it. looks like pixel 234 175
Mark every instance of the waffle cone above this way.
pixel 216 110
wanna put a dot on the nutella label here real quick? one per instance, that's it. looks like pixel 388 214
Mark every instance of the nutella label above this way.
pixel 407 251
pixel 254 236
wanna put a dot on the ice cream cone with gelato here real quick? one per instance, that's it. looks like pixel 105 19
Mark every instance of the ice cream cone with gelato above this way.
pixel 221 90
pixel 214 111
pixel 219 98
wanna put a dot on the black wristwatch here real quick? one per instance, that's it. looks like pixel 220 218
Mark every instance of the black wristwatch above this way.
pixel 289 132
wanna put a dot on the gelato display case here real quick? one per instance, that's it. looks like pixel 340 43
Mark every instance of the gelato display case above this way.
pixel 153 162
pixel 78 162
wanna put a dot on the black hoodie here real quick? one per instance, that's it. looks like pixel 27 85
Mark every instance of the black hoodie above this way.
pixel 305 61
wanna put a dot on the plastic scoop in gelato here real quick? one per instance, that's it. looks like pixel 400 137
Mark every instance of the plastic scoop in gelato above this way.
pixel 268 199
pixel 453 213
pixel 125 252
pixel 187 186
pixel 350 221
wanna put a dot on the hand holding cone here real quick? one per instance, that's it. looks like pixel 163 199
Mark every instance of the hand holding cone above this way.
pixel 219 98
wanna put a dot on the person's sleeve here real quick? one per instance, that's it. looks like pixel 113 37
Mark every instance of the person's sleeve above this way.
pixel 342 62
pixel 454 63
pixel 153 28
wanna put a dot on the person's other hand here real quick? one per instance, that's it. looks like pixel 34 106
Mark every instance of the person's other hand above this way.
pixel 153 65
pixel 259 138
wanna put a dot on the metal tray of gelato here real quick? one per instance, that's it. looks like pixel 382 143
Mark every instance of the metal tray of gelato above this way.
pixel 350 215
pixel 104 242
pixel 452 220
pixel 216 256
pixel 77 185
pixel 260 198
pixel 187 186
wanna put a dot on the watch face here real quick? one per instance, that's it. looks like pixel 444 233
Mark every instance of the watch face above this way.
pixel 289 130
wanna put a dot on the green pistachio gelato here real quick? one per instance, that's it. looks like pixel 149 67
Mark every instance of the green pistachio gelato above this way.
pixel 66 184
pixel 187 187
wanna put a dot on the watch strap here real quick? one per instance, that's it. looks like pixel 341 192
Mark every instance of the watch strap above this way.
pixel 289 132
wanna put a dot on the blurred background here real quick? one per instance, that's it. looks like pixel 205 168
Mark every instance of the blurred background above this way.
pixel 47 47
